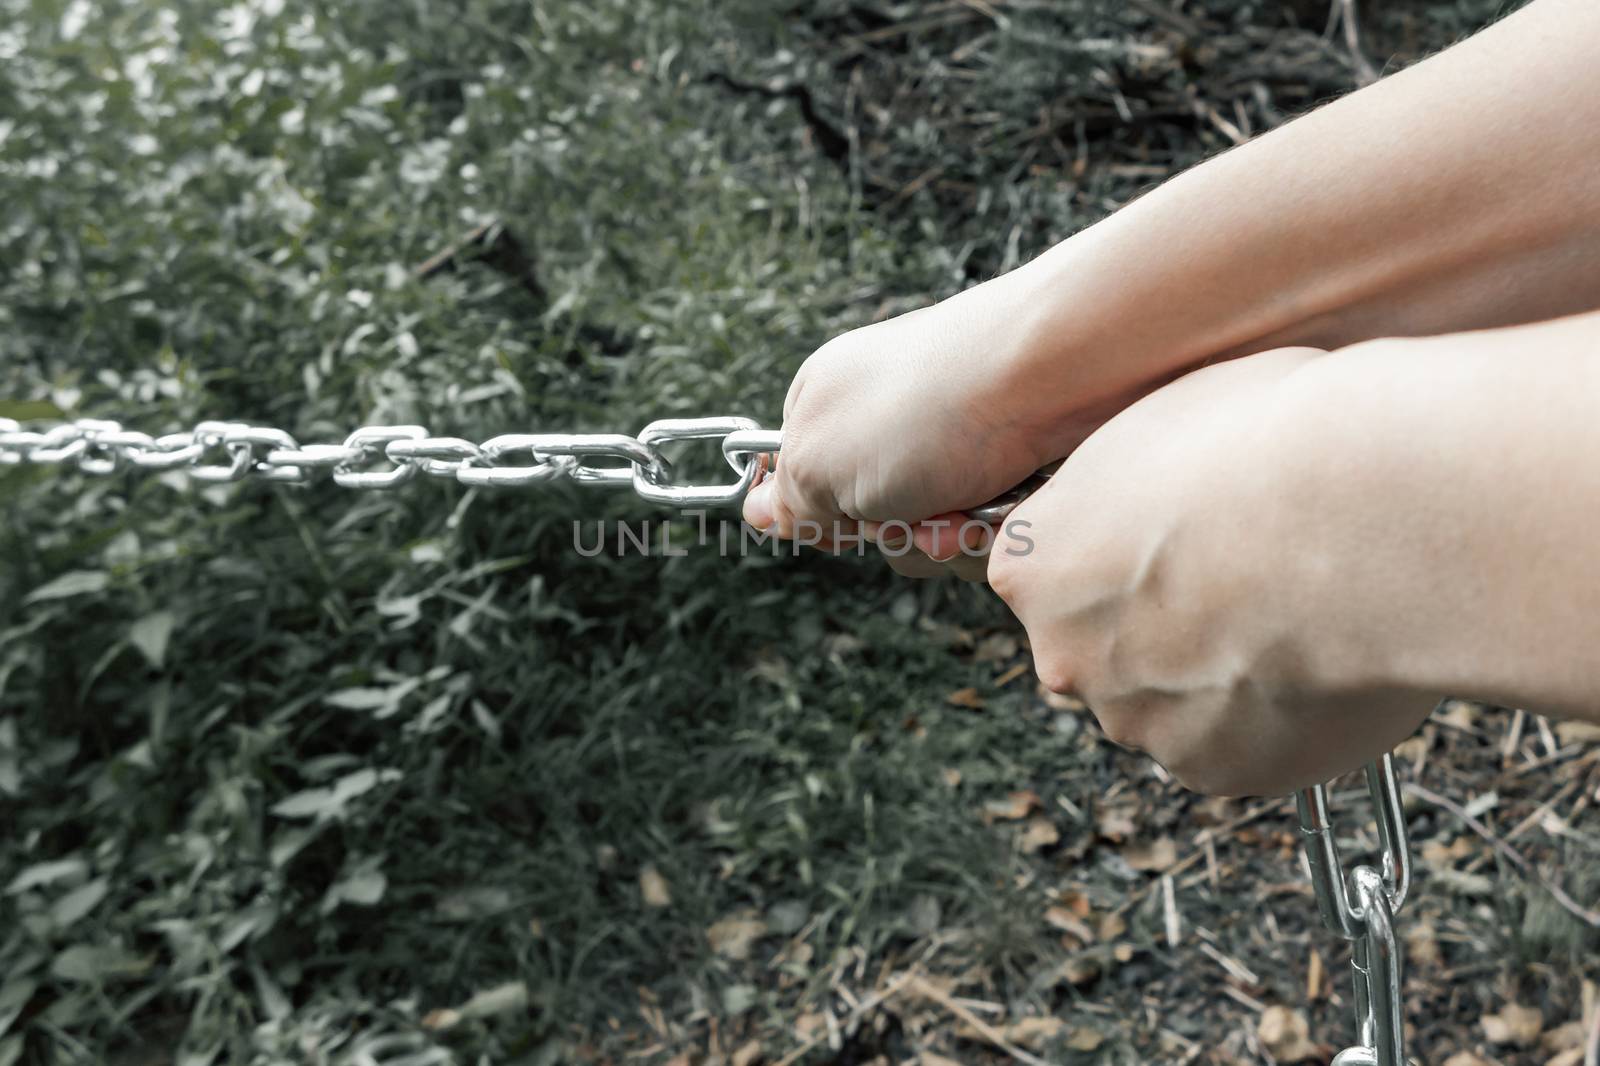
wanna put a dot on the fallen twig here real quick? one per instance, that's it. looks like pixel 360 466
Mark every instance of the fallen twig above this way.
pixel 870 1003
pixel 978 1025
pixel 1514 857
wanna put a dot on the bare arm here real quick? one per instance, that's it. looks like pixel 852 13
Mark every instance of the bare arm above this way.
pixel 1461 193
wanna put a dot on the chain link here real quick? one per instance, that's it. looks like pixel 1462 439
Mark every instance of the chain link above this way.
pixel 1365 916
pixel 386 457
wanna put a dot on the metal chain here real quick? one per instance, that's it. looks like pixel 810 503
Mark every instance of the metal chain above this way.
pixel 1365 916
pixel 386 457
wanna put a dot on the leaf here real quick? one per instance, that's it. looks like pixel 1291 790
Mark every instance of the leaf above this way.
pixel 14 995
pixel 965 697
pixel 71 583
pixel 501 999
pixel 150 635
pixel 45 873
pixel 1515 1024
pixel 441 1018
pixel 365 888
pixel 1467 1058
pixel 364 885
pixel 1085 1039
pixel 1156 855
pixel 653 887
pixel 1040 833
pixel 331 802
pixel 31 411
pixel 1578 732
pixel 66 911
pixel 1017 805
pixel 734 936
pixel 736 999
pixel 92 964
pixel 359 699
pixel 1286 1035
pixel 1063 919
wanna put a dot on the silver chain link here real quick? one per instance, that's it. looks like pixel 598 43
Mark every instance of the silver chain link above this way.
pixel 386 457
pixel 1365 916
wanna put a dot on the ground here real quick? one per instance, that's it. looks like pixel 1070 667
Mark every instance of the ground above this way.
pixel 303 775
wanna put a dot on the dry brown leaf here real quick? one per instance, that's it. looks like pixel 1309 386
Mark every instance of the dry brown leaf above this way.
pixel 1075 901
pixel 653 887
pixel 1578 732
pixel 996 649
pixel 1441 855
pixel 1412 748
pixel 928 1058
pixel 1155 855
pixel 735 935
pixel 951 775
pixel 1422 944
pixel 1110 926
pixel 1017 805
pixel 1117 823
pixel 965 697
pixel 1033 1033
pixel 1563 1038
pixel 1459 713
pixel 1515 1024
pixel 1061 918
pixel 809 1024
pixel 1286 1035
pixel 1080 969
pixel 750 1052
pixel 1040 833
pixel 441 1019
pixel 1467 1058
pixel 1085 1039
pixel 1569 1057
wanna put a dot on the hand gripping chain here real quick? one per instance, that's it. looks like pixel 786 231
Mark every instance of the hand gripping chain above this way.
pixel 1367 920
pixel 386 457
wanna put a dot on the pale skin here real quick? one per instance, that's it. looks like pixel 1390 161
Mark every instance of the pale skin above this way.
pixel 1382 486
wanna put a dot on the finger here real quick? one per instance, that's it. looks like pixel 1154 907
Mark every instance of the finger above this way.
pixel 914 564
pixel 947 536
pixel 759 507
pixel 973 568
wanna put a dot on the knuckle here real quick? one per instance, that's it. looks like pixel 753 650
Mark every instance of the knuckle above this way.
pixel 1123 730
pixel 1056 671
pixel 1006 577
pixel 1210 778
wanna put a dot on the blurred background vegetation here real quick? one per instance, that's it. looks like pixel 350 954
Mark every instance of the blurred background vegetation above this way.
pixel 295 774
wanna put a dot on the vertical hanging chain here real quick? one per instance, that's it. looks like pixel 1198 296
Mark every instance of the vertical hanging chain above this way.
pixel 1362 909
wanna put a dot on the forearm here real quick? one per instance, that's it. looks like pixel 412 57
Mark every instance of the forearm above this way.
pixel 1439 517
pixel 1461 193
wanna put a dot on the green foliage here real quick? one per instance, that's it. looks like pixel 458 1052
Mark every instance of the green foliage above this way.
pixel 285 765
